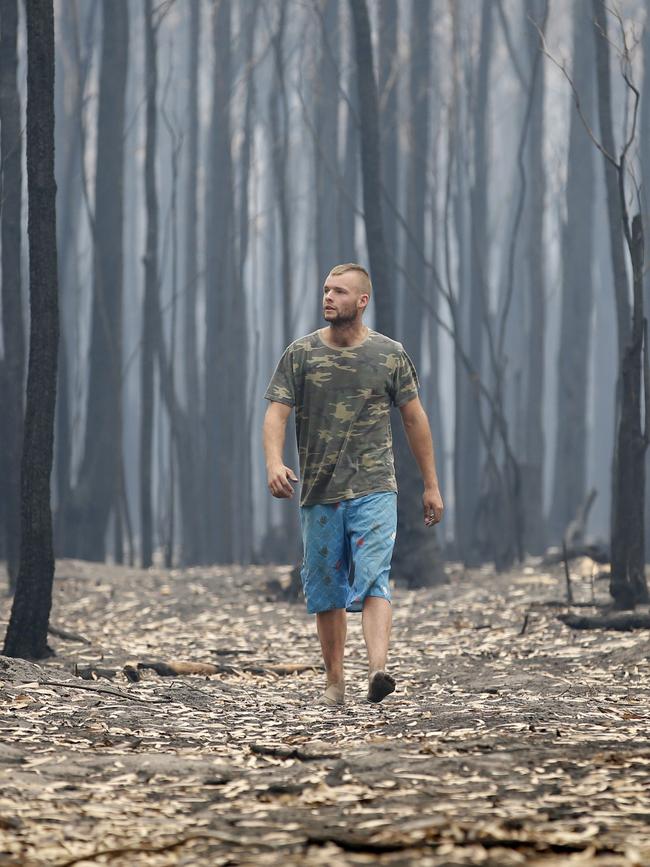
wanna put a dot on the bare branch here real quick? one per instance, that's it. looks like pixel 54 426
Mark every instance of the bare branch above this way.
pixel 562 67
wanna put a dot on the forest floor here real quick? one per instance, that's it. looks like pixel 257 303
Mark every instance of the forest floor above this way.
pixel 510 738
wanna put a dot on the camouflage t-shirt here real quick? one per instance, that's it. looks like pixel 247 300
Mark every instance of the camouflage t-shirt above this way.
pixel 342 397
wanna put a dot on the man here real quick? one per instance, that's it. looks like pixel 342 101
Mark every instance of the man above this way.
pixel 342 380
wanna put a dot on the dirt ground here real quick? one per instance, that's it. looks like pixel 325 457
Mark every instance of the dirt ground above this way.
pixel 510 739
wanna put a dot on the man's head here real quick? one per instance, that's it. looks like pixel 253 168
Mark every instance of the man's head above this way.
pixel 346 293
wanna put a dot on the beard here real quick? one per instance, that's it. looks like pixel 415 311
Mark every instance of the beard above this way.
pixel 340 317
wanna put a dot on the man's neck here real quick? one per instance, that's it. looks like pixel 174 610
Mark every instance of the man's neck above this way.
pixel 349 334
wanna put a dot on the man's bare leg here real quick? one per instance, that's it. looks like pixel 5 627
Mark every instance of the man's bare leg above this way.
pixel 376 619
pixel 332 631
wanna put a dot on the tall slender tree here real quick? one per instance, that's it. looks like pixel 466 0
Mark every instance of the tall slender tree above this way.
pixel 349 196
pixel 27 632
pixel 416 548
pixel 326 148
pixel 12 367
pixel 280 156
pixel 371 170
pixel 150 305
pixel 193 524
pixel 467 459
pixel 644 136
pixel 532 466
pixel 96 495
pixel 75 53
pixel 219 273
pixel 570 469
pixel 241 339
pixel 387 89
pixel 627 583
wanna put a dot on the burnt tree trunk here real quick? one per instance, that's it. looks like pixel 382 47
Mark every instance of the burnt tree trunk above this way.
pixel 27 632
pixel 627 583
pixel 244 407
pixel 150 294
pixel 280 133
pixel 371 172
pixel 644 135
pixel 325 151
pixel 388 68
pixel 12 367
pixel 70 84
pixel 192 519
pixel 614 218
pixel 532 466
pixel 96 494
pixel 468 459
pixel 570 470
pixel 416 547
pixel 219 273
pixel 349 196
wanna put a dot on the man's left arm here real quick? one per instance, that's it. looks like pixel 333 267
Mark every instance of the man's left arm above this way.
pixel 418 433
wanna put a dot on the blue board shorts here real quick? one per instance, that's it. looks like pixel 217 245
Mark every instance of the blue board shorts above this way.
pixel 359 531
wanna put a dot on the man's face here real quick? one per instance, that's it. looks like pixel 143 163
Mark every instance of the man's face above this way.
pixel 341 297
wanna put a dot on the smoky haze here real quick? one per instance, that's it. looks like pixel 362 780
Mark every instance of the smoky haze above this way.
pixel 209 173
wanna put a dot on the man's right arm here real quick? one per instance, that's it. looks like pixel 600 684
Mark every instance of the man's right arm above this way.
pixel 275 425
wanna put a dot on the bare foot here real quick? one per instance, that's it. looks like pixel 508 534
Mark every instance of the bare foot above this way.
pixel 380 685
pixel 335 694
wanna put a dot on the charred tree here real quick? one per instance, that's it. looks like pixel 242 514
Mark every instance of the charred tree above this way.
pixel 416 547
pixel 279 117
pixel 371 171
pixel 349 196
pixel 96 494
pixel 280 153
pixel 532 464
pixel 27 631
pixel 192 520
pixel 150 306
pixel 219 274
pixel 70 83
pixel 12 366
pixel 468 452
pixel 243 409
pixel 644 136
pixel 628 583
pixel 570 471
pixel 326 97
pixel 387 68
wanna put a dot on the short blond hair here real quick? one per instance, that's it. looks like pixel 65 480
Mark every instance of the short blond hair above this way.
pixel 353 266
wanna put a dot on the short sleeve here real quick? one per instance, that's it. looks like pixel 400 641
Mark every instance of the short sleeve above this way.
pixel 282 388
pixel 405 383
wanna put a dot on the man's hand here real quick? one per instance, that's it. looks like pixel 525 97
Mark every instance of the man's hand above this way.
pixel 278 478
pixel 432 505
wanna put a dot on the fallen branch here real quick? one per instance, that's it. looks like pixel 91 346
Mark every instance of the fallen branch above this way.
pixel 114 692
pixel 69 636
pixel 623 621
pixel 174 668
pixel 226 651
